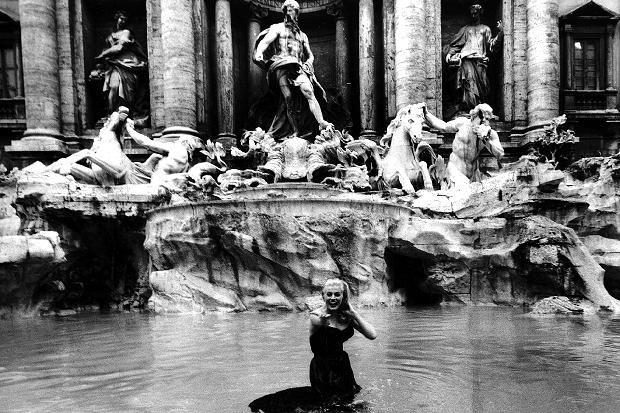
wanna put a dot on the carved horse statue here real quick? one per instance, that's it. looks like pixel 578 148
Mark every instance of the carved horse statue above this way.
pixel 403 147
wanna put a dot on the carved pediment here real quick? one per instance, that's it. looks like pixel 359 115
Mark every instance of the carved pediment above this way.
pixel 591 10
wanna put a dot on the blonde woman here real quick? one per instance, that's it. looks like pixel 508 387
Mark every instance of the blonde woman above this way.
pixel 330 326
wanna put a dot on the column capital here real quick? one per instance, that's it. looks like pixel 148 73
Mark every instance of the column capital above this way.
pixel 337 10
pixel 257 12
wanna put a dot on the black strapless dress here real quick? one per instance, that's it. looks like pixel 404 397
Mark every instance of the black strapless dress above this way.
pixel 330 369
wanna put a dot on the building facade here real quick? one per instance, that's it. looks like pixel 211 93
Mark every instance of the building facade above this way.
pixel 372 57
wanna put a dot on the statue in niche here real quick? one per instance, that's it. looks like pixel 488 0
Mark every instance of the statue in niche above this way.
pixel 472 135
pixel 123 68
pixel 284 52
pixel 105 163
pixel 469 50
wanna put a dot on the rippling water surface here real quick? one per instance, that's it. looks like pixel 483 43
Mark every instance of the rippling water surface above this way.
pixel 425 360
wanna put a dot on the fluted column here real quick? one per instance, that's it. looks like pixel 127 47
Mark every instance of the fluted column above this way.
pixel 569 57
pixel 367 70
pixel 41 81
pixel 256 76
pixel 225 73
pixel 343 40
pixel 612 98
pixel 611 76
pixel 410 57
pixel 179 81
pixel 156 62
pixel 66 68
pixel 543 61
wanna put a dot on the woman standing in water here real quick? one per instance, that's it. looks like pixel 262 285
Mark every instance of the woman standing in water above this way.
pixel 331 375
pixel 331 325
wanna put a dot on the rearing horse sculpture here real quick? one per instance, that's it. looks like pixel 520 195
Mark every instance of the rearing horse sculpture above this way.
pixel 401 165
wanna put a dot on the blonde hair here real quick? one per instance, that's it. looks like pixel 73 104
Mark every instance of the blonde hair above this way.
pixel 346 291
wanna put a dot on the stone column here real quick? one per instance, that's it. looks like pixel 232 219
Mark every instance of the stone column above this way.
pixel 367 70
pixel 569 57
pixel 66 69
pixel 156 63
pixel 612 98
pixel 543 61
pixel 343 39
pixel 41 81
pixel 179 81
pixel 410 57
pixel 256 76
pixel 519 67
pixel 611 76
pixel 224 73
pixel 389 54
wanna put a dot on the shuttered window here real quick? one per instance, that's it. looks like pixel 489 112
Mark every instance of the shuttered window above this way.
pixel 586 70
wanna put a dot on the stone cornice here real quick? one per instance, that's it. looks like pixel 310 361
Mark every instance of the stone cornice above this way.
pixel 307 6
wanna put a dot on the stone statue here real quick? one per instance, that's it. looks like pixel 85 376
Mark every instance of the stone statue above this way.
pixel 123 66
pixel 171 162
pixel 401 165
pixel 283 50
pixel 469 51
pixel 339 160
pixel 108 163
pixel 472 135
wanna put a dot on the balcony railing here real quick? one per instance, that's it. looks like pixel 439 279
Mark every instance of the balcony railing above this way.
pixel 576 100
pixel 12 109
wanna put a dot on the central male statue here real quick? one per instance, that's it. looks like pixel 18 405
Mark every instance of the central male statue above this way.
pixel 284 51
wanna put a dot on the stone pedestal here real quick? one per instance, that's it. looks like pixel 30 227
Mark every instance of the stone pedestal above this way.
pixel 41 83
pixel 179 83
pixel 224 70
pixel 367 71
pixel 543 62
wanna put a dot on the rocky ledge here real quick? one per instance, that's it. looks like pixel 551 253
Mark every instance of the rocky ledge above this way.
pixel 524 234
pixel 513 239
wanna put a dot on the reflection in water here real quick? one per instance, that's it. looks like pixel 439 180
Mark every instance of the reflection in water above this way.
pixel 424 360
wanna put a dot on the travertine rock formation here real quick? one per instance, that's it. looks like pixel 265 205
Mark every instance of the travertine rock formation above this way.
pixel 496 243
pixel 68 245
pixel 527 233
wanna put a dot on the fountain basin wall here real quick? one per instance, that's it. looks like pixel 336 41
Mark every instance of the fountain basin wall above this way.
pixel 65 245
pixel 511 239
pixel 277 253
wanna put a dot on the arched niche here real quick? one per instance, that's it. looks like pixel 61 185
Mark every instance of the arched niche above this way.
pixel 455 15
pixel 96 22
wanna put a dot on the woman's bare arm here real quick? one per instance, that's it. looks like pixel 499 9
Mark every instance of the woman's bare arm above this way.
pixel 362 325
